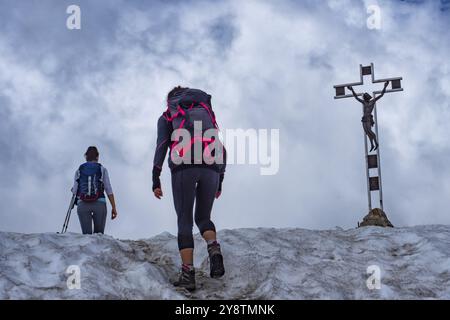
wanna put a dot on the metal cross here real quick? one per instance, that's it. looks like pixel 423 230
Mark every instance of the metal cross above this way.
pixel 373 161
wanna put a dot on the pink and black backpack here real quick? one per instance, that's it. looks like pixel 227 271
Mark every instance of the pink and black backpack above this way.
pixel 185 107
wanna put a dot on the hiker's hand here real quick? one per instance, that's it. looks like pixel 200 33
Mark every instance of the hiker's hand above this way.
pixel 349 88
pixel 218 193
pixel 158 193
pixel 113 213
pixel 386 84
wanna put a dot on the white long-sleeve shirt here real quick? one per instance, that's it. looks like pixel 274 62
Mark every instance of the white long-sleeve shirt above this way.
pixel 105 179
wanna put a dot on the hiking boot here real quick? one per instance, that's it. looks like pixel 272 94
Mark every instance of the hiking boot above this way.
pixel 186 279
pixel 215 260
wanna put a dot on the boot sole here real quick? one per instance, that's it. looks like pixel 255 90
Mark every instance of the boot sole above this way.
pixel 188 288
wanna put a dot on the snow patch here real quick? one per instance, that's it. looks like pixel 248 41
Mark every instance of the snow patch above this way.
pixel 260 264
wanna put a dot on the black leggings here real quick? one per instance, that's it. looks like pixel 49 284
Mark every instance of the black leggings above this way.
pixel 189 185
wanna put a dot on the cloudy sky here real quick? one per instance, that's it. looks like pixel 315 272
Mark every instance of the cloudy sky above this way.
pixel 267 64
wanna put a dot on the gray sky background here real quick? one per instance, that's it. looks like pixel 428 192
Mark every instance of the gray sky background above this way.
pixel 268 64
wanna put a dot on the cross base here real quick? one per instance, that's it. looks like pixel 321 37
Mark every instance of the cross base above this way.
pixel 375 217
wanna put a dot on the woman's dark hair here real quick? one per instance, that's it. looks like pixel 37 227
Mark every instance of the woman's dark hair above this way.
pixel 174 91
pixel 91 154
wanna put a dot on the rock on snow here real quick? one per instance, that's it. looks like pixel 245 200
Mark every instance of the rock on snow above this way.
pixel 260 264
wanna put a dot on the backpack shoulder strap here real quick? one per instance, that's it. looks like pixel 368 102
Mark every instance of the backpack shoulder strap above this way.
pixel 98 168
pixel 211 113
pixel 102 170
pixel 77 175
pixel 166 114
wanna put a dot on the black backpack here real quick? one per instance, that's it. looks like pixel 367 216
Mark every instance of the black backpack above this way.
pixel 184 108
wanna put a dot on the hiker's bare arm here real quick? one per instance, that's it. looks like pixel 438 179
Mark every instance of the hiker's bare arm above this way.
pixel 382 92
pixel 113 205
pixel 354 94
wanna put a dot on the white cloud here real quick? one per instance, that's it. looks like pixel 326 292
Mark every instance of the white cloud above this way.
pixel 267 65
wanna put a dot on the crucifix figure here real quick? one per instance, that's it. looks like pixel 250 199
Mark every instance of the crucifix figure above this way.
pixel 367 119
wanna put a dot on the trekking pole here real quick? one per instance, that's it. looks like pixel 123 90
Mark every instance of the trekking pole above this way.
pixel 66 220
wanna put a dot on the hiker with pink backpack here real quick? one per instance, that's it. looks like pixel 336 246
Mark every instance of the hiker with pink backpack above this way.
pixel 197 160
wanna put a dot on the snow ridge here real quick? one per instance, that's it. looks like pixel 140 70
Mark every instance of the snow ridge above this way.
pixel 260 263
